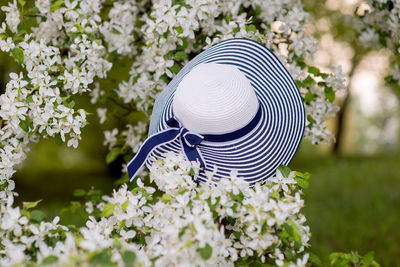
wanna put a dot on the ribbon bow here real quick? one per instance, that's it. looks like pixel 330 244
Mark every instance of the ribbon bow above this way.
pixel 189 142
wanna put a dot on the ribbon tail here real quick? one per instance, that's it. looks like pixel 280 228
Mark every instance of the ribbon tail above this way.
pixel 193 154
pixel 147 147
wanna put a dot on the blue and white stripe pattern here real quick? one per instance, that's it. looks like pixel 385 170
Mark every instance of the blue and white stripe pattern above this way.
pixel 273 141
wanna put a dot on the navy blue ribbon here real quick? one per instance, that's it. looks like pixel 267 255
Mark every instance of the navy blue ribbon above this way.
pixel 189 142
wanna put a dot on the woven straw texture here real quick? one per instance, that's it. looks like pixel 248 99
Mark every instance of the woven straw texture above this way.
pixel 214 99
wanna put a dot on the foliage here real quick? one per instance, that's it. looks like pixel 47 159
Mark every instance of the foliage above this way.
pixel 186 224
pixel 352 259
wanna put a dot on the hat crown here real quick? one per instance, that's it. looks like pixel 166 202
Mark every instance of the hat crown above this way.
pixel 215 99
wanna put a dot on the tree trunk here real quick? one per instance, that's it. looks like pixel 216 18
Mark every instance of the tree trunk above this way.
pixel 343 109
pixel 340 123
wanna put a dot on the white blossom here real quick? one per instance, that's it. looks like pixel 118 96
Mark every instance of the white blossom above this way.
pixel 102 113
pixel 12 15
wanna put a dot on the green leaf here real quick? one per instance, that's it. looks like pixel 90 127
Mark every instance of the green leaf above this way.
pixel 309 97
pixel 169 55
pixel 49 260
pixel 275 195
pixel 57 139
pixel 75 206
pixel 238 197
pixel 32 11
pixel 179 29
pixel 29 99
pixel 70 104
pixel 205 252
pixel 75 35
pixel 114 30
pixel 251 28
pixel 329 94
pixel 333 257
pixel 311 119
pixel 18 54
pixel 121 225
pixel 339 259
pixel 288 254
pixel 79 28
pixel 21 28
pixel 314 259
pixel 25 124
pixel 79 192
pixel 354 257
pixel 129 257
pixel 368 258
pixel 296 234
pixel 264 227
pixel 124 205
pixel 237 234
pixel 314 70
pixel 21 2
pixel 175 68
pixel 18 37
pixel 305 175
pixel 299 83
pixel 112 155
pixel 284 170
pixel 309 81
pixel 37 215
pixel 389 79
pixel 303 183
pixel 30 205
pixel 302 179
pixel 102 258
pixel 181 56
pixel 57 4
pixel 301 63
pixel 184 44
pixel 324 75
pixel 166 198
pixel 108 210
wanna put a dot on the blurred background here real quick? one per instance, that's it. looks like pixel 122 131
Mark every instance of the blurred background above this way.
pixel 353 201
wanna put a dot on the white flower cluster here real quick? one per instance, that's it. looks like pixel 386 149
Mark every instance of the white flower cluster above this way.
pixel 119 31
pixel 25 241
pixel 173 31
pixel 321 108
pixel 132 136
pixel 378 26
pixel 189 225
pixel 62 57
pixel 12 15
pixel 321 111
pixel 68 50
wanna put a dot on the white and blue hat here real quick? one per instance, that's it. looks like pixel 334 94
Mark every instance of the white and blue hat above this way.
pixel 234 107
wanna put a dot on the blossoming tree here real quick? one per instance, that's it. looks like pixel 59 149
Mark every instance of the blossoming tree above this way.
pixel 377 25
pixel 67 48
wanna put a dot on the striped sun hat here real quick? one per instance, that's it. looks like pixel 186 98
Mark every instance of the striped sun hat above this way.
pixel 234 107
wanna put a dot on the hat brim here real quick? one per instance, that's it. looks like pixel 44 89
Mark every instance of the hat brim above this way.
pixel 276 138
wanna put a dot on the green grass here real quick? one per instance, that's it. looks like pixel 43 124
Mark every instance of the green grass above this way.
pixel 353 204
